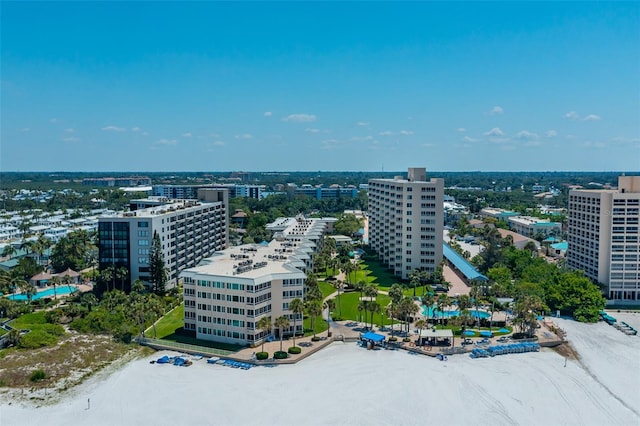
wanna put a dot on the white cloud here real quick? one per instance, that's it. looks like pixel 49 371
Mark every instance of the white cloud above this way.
pixel 551 134
pixel 361 138
pixel 499 140
pixel 330 144
pixel 406 132
pixel 167 142
pixel 53 121
pixel 69 130
pixel 595 145
pixel 496 110
pixel 470 139
pixel 592 117
pixel 71 139
pixel 572 115
pixel 113 129
pixel 187 135
pixel 135 129
pixel 494 132
pixel 244 136
pixel 300 118
pixel 461 129
pixel 526 135
pixel 362 123
pixel 308 130
pixel 145 133
pixel 217 143
pixel 570 137
pixel 386 133
pixel 268 114
pixel 25 129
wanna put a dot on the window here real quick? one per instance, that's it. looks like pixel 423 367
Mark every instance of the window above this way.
pixel 143 224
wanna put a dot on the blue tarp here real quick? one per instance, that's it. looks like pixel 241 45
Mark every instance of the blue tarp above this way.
pixel 504 330
pixel 461 264
pixel 370 335
pixel 469 333
pixel 486 334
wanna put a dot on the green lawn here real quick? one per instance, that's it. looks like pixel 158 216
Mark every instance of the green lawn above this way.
pixel 2 331
pixel 326 288
pixel 168 324
pixel 321 325
pixel 377 273
pixel 349 307
pixel 29 320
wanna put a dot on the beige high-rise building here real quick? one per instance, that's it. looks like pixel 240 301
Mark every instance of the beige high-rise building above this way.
pixel 603 237
pixel 406 219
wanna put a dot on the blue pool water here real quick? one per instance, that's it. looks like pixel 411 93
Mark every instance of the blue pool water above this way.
pixel 430 312
pixel 60 291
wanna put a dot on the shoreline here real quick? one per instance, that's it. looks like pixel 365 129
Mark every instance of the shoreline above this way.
pixel 365 387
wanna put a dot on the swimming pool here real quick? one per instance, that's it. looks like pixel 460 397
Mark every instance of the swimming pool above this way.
pixel 432 311
pixel 61 290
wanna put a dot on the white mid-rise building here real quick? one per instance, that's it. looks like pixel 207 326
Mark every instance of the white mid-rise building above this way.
pixel 603 237
pixel 226 294
pixel 406 221
pixel 189 231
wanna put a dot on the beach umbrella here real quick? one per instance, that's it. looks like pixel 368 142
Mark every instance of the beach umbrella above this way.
pixel 469 333
pixel 504 330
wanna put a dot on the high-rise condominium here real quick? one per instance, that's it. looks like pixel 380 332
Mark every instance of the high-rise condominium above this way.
pixel 406 221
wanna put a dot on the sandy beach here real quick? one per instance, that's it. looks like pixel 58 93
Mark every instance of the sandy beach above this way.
pixel 347 385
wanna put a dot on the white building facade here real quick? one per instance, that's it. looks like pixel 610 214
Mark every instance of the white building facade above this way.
pixel 406 221
pixel 228 293
pixel 603 237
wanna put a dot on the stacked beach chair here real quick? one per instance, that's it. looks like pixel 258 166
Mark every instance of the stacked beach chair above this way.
pixel 513 348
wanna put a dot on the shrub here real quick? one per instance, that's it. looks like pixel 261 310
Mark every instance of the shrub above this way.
pixel 280 355
pixel 315 339
pixel 393 339
pixel 295 350
pixel 38 375
pixel 262 356
pixel 406 339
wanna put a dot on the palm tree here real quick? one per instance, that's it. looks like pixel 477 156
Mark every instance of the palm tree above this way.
pixel 282 323
pixel 338 286
pixel 421 324
pixel 465 319
pixel 329 305
pixel 408 309
pixel 362 306
pixel 392 309
pixel 264 324
pixel 428 300
pixel 374 308
pixel 444 301
pixel 297 307
pixel 28 289
pixel 371 291
pixel 415 277
pixel 359 286
pixel 396 294
pixel 55 281
pixel 121 274
pixel 314 308
pixel 8 251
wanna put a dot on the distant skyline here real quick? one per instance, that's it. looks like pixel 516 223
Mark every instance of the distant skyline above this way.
pixel 212 86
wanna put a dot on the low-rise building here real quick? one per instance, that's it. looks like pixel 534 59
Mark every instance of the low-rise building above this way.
pixel 534 227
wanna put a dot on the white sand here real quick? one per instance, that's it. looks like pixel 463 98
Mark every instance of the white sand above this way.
pixel 344 384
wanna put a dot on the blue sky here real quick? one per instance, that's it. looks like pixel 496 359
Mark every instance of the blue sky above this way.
pixel 201 86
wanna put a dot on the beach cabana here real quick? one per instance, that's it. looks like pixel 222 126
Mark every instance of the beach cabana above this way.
pixel 71 274
pixel 373 337
pixel 435 337
pixel 41 279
